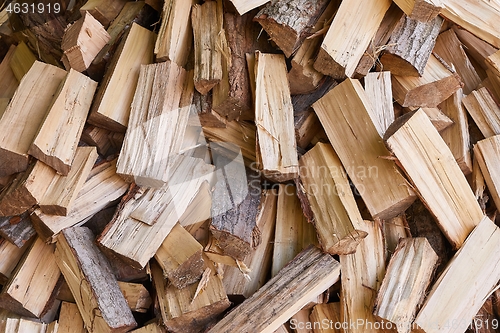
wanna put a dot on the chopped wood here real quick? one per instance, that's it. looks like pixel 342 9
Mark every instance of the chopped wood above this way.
pixel 463 290
pixel 289 22
pixel 449 48
pixel 244 6
pixel 395 229
pixel 155 212
pixel 457 136
pixel 21 61
pixel 436 85
pixel 422 152
pixel 329 313
pixel 102 187
pixel 403 289
pixel 17 229
pixel 362 274
pixel 209 41
pixel 438 118
pixel 293 232
pixel 421 10
pixel 235 209
pixel 56 141
pixel 198 211
pixel 258 261
pixel 29 291
pixel 307 129
pixel 11 255
pixel 276 144
pixel 180 257
pixel 378 89
pixel 104 11
pixel 336 215
pixel 241 134
pixel 201 107
pixel 9 83
pixel 180 311
pixel 97 137
pixel 484 111
pixel 70 320
pixel 151 124
pixel 358 145
pixel 82 42
pixel 136 295
pixel 15 325
pixel 410 46
pixel 150 328
pixel 108 110
pixel 487 154
pixel 175 36
pixel 477 48
pixel 355 19
pixel 310 273
pixel 27 113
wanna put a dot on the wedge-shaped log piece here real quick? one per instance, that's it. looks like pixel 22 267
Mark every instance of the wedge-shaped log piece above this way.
pixel 310 273
pixel 355 20
pixel 185 310
pixel 274 119
pixel 136 295
pixel 157 125
pixel 209 40
pixel 436 85
pixel 449 48
pixel 17 229
pixel 336 215
pixel 421 10
pixel 242 134
pixel 487 153
pixel 476 48
pixel 175 36
pixel 56 142
pixel 410 46
pixel 457 136
pixel 484 111
pixel 438 118
pixel 432 168
pixel 259 260
pixel 70 320
pixel 103 11
pixel 362 274
pixel 408 275
pixel 92 283
pixel 63 190
pixel 29 292
pixel 244 6
pixel 293 233
pixel 27 113
pixel 326 312
pixel 145 218
pixel 234 210
pixel 11 255
pixel 82 41
pixel 180 257
pixel 111 107
pixel 288 22
pixel 378 89
pixel 358 145
pixel 478 17
pixel 394 230
pixel 465 283
pixel 102 187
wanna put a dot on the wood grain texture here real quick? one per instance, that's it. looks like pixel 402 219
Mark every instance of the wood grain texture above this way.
pixel 17 229
pixel 421 10
pixel 378 89
pixel 103 11
pixel 244 6
pixel 12 255
pixel 484 111
pixel 487 154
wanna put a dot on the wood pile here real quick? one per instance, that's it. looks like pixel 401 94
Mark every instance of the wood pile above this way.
pixel 249 166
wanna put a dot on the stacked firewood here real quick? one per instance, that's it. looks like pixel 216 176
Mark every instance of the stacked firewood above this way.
pixel 249 166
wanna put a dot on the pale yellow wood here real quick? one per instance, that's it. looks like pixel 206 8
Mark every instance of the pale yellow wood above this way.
pixel 300 321
pixel 104 11
pixel 484 111
pixel 309 274
pixel 137 241
pixel 111 107
pixel 422 10
pixel 457 136
pixel 199 210
pixel 466 282
pixel 329 312
pixel 26 325
pixel 175 35
pixel 11 255
pixel 136 295
pixel 56 141
pixel 403 289
pixel 293 233
pixel 259 260
pixel 70 320
pixel 242 134
pixel 274 118
pixel 438 118
pixel 22 118
pixel 487 153
pixel 350 33
pixel 29 290
pixel 102 187
pixel 336 214
pixel 362 274
pixel 476 48
pixel 433 170
pixel 358 145
pixel 157 125
pixel 244 6
pixel 378 89
pixel 151 328
pixel 22 60
pixel 395 229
